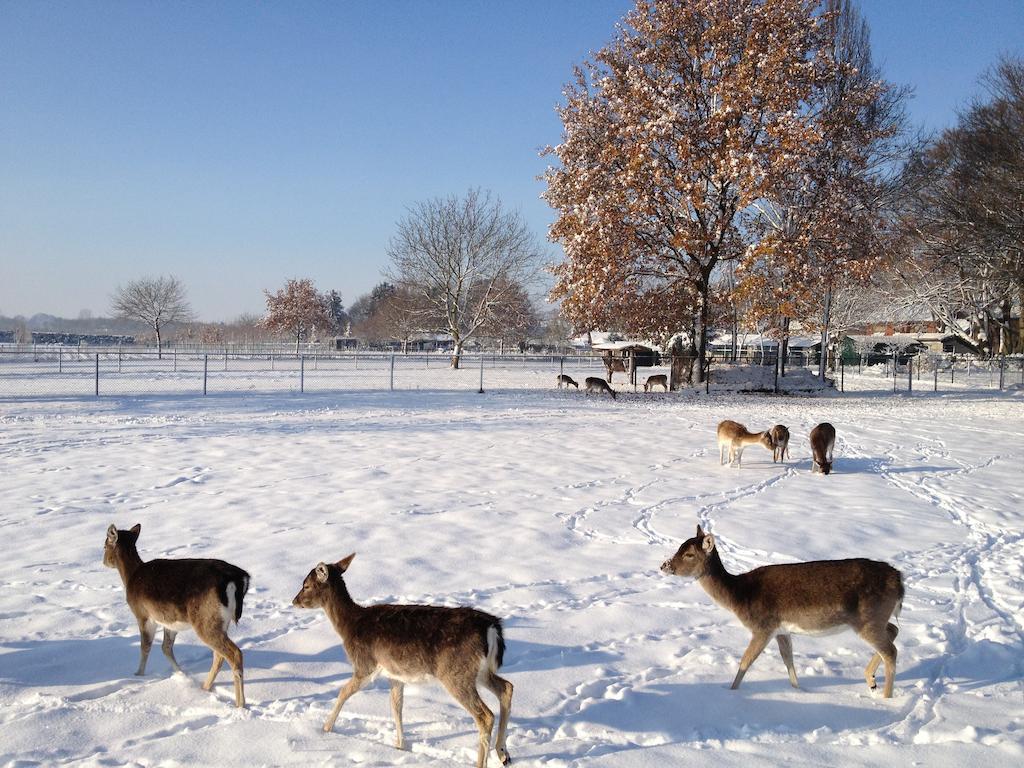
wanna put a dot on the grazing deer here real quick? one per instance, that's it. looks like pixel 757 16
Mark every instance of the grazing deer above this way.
pixel 567 380
pixel 823 439
pixel 598 385
pixel 203 594
pixel 459 647
pixel 657 380
pixel 734 436
pixel 780 442
pixel 806 598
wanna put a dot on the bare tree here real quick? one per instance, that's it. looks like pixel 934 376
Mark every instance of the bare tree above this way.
pixel 298 309
pixel 153 301
pixel 462 258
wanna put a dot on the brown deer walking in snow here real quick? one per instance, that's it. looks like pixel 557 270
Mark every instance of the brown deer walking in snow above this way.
pixel 823 440
pixel 567 381
pixel 733 437
pixel 203 594
pixel 803 598
pixel 459 647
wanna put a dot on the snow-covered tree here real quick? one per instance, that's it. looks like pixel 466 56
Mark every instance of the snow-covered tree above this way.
pixel 672 132
pixel 155 301
pixel 298 309
pixel 462 258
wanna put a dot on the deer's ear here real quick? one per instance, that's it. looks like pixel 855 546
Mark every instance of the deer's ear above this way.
pixel 136 529
pixel 345 562
pixel 708 544
pixel 321 572
pixel 112 534
pixel 700 533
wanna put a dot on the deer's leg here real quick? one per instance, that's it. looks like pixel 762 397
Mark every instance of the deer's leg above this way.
pixel 218 661
pixel 757 644
pixel 397 697
pixel 885 651
pixel 721 454
pixel 347 690
pixel 869 673
pixel 168 648
pixel 464 691
pixel 224 650
pixel 501 688
pixel 786 649
pixel 147 631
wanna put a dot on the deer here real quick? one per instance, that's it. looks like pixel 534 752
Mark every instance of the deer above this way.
pixel 780 442
pixel 567 381
pixel 823 439
pixel 812 598
pixel 734 436
pixel 614 364
pixel 657 380
pixel 598 385
pixel 200 593
pixel 459 647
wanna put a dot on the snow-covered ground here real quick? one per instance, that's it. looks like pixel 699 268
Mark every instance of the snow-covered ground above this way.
pixel 550 509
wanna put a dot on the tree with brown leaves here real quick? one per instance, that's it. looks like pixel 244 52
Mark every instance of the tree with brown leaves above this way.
pixel 298 309
pixel 672 133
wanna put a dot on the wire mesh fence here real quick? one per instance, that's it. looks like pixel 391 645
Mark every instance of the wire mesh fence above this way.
pixel 75 372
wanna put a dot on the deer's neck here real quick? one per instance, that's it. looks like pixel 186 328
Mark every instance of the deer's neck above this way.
pixel 342 611
pixel 721 586
pixel 128 564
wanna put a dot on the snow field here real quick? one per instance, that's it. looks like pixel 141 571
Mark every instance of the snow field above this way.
pixel 551 510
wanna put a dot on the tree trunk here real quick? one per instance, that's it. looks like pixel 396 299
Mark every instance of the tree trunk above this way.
pixel 159 344
pixel 298 336
pixel 456 354
pixel 702 340
pixel 784 347
pixel 823 361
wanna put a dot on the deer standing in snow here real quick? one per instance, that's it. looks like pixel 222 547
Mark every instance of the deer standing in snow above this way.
pixel 203 594
pixel 805 598
pixel 567 380
pixel 733 437
pixel 459 647
pixel 657 380
pixel 780 442
pixel 598 385
pixel 823 440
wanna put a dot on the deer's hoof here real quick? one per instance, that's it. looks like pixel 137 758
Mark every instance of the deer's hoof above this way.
pixel 504 757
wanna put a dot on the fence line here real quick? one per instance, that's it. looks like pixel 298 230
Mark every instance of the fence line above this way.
pixel 70 372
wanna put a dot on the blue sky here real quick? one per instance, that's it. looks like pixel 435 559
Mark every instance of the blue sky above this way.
pixel 239 144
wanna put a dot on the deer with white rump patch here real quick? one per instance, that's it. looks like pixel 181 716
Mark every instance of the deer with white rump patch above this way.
pixel 200 593
pixel 733 437
pixel 780 442
pixel 459 647
pixel 814 598
pixel 823 440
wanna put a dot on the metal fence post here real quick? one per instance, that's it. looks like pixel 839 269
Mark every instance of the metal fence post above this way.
pixel 936 378
pixel 97 374
pixel 206 361
pixel 894 367
pixel 707 378
pixel 561 370
pixel 391 382
pixel 842 375
pixel 60 361
pixel 302 374
pixel 175 356
pixel 481 390
pixel 952 367
pixel 1002 371
pixel 910 375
